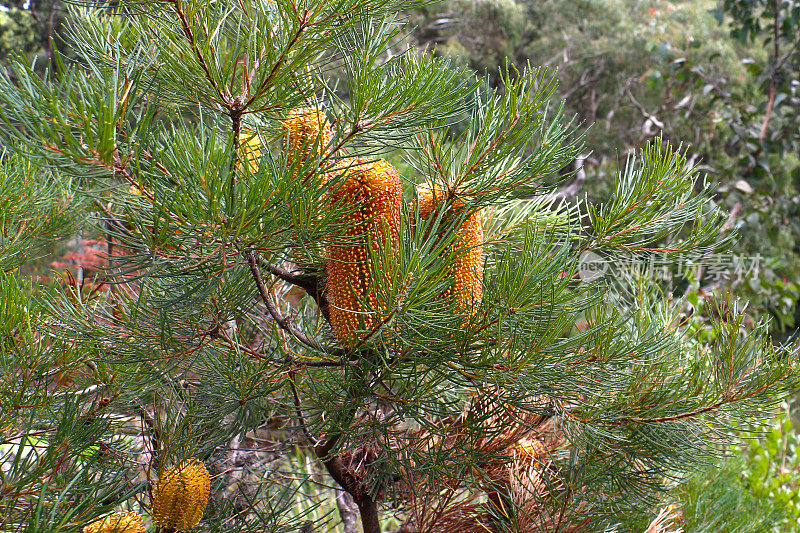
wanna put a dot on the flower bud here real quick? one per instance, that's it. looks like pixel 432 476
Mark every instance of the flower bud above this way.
pixel 180 495
pixel 126 522
pixel 373 191
pixel 467 276
pixel 306 134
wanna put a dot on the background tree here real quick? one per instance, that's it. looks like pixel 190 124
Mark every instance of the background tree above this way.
pixel 31 26
pixel 16 32
pixel 534 397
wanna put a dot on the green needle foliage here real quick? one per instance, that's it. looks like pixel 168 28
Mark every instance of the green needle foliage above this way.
pixel 559 402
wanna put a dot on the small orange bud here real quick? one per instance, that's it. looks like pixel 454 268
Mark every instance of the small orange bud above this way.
pixel 126 522
pixel 467 279
pixel 528 451
pixel 373 191
pixel 180 495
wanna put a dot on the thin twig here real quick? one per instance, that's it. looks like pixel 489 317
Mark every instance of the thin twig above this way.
pixel 651 117
pixel 278 63
pixel 187 31
pixel 772 83
pixel 285 361
pixel 301 418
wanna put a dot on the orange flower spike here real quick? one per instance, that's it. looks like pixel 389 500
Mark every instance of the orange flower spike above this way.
pixel 126 522
pixel 305 129
pixel 467 279
pixel 373 190
pixel 181 495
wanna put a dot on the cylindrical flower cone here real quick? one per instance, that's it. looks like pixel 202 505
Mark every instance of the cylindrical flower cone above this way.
pixel 373 191
pixel 306 134
pixel 181 495
pixel 126 522
pixel 467 277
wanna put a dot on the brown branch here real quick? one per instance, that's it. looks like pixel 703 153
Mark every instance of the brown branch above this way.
pixel 187 31
pixel 367 507
pixel 768 115
pixel 48 44
pixel 370 520
pixel 299 410
pixel 236 124
pixel 778 63
pixel 284 322
pixel 341 472
pixel 309 283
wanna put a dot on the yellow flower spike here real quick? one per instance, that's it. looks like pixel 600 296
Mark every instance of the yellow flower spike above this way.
pixel 373 190
pixel 181 495
pixel 306 134
pixel 126 522
pixel 250 148
pixel 467 279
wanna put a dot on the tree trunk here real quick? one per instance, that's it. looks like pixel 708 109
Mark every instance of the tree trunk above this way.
pixel 369 515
